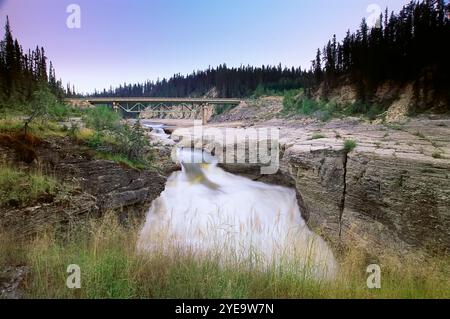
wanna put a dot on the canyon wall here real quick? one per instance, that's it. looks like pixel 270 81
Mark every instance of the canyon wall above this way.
pixel 391 193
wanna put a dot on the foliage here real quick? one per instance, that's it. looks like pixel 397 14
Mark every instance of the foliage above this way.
pixel 102 118
pixel 44 104
pixel 19 188
pixel 243 81
pixel 22 74
pixel 220 109
pixel 404 47
pixel 301 104
pixel 317 136
pixel 115 140
pixel 349 145
pixel 294 102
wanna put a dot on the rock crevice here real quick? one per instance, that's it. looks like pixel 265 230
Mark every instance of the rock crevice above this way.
pixel 344 192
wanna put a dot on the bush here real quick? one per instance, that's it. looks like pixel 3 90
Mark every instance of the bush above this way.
pixel 290 99
pixel 102 118
pixel 325 110
pixel 124 144
pixel 296 101
pixel 131 142
pixel 349 145
pixel 371 110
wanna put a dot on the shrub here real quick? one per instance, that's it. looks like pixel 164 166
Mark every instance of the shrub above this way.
pixel 371 110
pixel 122 143
pixel 42 101
pixel 290 101
pixel 349 145
pixel 320 109
pixel 102 118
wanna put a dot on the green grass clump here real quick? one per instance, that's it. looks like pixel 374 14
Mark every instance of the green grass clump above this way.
pixel 350 145
pixel 437 155
pixel 317 136
pixel 121 159
pixel 40 128
pixel 10 124
pixel 19 188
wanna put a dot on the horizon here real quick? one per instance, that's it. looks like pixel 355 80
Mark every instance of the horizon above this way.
pixel 237 37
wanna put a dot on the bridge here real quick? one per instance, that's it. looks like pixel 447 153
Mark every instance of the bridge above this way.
pixel 161 105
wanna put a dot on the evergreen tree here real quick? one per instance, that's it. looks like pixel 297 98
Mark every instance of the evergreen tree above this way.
pixel 22 74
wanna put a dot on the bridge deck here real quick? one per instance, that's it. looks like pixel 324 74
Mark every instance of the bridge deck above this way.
pixel 155 100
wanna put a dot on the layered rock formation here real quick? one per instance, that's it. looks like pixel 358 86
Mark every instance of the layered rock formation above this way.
pixel 100 186
pixel 179 112
pixel 390 193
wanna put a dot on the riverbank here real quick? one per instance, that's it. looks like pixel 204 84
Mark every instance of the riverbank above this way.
pixel 389 191
pixel 386 194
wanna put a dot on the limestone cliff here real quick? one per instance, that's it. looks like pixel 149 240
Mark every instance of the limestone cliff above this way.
pixel 390 193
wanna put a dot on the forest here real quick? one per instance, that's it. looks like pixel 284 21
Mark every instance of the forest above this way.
pixel 22 74
pixel 407 47
pixel 227 82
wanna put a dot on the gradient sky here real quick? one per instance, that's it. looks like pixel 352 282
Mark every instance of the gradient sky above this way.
pixel 132 41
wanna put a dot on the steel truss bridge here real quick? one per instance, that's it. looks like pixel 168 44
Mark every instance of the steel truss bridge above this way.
pixel 160 105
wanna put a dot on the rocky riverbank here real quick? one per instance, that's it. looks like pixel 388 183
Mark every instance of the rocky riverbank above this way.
pixel 390 193
pixel 98 186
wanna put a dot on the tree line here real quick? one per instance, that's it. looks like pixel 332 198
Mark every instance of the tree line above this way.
pixel 411 46
pixel 23 73
pixel 408 47
pixel 226 82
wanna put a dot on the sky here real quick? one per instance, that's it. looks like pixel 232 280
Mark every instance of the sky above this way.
pixel 131 41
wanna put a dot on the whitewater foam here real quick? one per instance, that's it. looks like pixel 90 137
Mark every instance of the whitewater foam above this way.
pixel 205 210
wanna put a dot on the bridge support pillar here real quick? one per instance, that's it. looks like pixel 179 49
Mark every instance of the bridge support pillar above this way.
pixel 203 114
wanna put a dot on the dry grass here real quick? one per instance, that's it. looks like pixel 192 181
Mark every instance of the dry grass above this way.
pixel 84 134
pixel 19 188
pixel 111 268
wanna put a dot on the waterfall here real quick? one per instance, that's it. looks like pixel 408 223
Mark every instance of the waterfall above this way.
pixel 207 211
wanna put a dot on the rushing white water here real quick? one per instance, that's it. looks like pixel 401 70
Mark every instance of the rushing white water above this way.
pixel 207 211
pixel 157 133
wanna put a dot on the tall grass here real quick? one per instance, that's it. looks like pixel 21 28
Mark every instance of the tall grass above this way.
pixel 19 188
pixel 111 268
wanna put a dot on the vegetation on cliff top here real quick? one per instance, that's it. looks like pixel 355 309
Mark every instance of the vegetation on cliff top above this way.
pixel 20 188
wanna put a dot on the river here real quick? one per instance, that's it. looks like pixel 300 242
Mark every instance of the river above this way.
pixel 207 211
